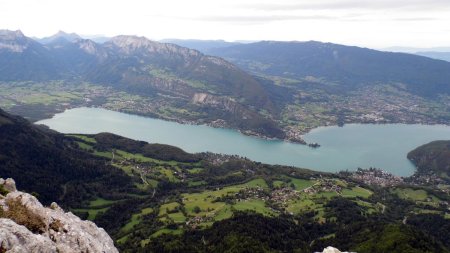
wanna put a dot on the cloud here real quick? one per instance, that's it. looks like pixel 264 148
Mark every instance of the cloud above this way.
pixel 419 5
pixel 261 18
pixel 415 19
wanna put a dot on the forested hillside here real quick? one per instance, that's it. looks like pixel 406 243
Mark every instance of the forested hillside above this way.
pixel 432 158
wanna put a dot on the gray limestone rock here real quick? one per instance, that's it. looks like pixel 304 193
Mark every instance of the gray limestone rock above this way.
pixel 9 184
pixel 27 226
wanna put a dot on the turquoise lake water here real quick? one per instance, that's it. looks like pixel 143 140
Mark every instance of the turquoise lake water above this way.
pixel 348 147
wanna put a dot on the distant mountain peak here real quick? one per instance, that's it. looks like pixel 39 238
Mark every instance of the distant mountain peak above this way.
pixel 91 47
pixel 62 33
pixel 100 39
pixel 131 41
pixel 59 36
pixel 11 34
pixel 130 44
pixel 13 41
pixel 200 45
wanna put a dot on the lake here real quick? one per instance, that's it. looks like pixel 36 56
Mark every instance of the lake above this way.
pixel 348 147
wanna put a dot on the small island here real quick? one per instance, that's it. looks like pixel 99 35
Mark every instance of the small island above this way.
pixel 314 145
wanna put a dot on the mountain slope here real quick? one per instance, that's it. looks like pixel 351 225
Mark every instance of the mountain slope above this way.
pixel 432 158
pixel 171 76
pixel 201 45
pixel 209 86
pixel 137 61
pixel 321 84
pixel 347 66
pixel 60 35
pixel 22 58
pixel 76 57
pixel 445 56
pixel 46 162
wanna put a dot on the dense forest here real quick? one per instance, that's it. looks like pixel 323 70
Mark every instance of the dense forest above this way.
pixel 48 164
pixel 433 157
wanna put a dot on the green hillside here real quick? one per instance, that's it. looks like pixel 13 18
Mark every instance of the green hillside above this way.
pixel 432 158
pixel 158 198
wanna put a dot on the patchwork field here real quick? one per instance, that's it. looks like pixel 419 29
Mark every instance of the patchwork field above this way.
pixel 419 196
pixel 201 194
pixel 95 207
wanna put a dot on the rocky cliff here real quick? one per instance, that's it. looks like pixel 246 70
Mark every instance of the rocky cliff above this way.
pixel 27 226
pixel 13 41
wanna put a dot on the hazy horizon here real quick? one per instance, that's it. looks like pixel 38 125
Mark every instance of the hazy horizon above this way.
pixel 393 48
pixel 375 24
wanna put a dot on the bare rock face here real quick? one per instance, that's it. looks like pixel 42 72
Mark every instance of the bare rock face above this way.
pixel 218 102
pixel 332 250
pixel 27 226
pixel 13 41
pixel 17 238
pixel 9 184
pixel 132 44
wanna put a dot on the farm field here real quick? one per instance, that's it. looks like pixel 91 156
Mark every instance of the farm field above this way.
pixel 205 195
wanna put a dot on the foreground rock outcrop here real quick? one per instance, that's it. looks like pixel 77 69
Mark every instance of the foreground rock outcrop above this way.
pixel 332 250
pixel 27 226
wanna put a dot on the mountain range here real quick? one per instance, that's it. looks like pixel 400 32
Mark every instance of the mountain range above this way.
pixel 201 45
pixel 438 53
pixel 140 66
pixel 445 56
pixel 346 66
pixel 269 88
pixel 61 35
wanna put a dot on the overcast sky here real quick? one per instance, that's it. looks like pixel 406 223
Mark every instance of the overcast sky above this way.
pixel 370 23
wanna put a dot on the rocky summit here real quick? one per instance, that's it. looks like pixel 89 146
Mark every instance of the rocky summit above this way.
pixel 13 41
pixel 27 226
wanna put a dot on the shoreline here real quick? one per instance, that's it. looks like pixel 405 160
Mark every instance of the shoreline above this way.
pixel 297 138
pixel 202 138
